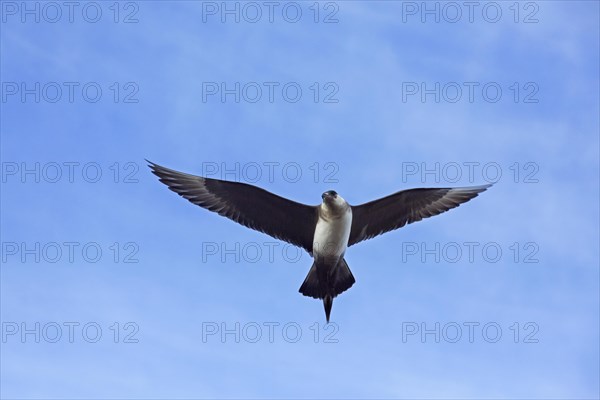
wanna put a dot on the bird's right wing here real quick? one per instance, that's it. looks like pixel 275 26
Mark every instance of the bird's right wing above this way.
pixel 245 204
pixel 405 207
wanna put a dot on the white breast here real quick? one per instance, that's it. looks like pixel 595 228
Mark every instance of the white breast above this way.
pixel 331 236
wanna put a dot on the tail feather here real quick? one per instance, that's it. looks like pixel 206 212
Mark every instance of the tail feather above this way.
pixel 327 303
pixel 342 281
pixel 310 287
pixel 329 287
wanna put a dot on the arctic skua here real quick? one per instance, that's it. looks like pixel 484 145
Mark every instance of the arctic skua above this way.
pixel 326 230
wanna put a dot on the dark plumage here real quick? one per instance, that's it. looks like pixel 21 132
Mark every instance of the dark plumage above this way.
pixel 325 230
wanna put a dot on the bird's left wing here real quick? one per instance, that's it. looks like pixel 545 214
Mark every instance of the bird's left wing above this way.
pixel 405 207
pixel 245 204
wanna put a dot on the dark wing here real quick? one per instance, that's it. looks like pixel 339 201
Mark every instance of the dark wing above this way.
pixel 405 207
pixel 245 204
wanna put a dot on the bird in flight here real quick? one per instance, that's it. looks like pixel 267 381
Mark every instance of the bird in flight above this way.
pixel 326 230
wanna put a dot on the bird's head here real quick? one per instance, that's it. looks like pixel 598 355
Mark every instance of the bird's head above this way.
pixel 333 201
pixel 329 195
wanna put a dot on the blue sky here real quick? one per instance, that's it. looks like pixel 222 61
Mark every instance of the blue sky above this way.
pixel 364 145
